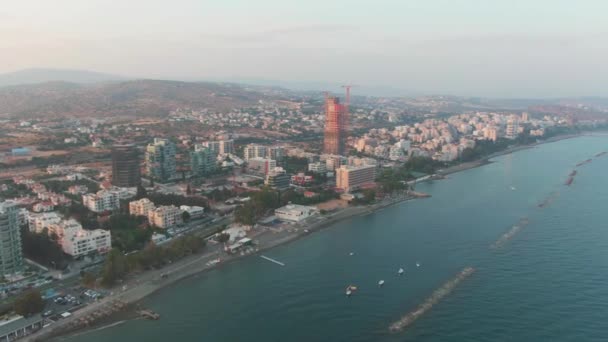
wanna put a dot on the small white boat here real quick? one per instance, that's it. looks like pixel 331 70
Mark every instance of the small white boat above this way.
pixel 348 292
pixel 351 253
pixel 417 264
pixel 381 282
pixel 400 272
pixel 513 188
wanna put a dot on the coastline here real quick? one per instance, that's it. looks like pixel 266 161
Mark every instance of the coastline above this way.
pixel 150 282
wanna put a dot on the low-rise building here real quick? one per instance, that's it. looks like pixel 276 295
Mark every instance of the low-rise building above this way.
pixel 295 212
pixel 165 216
pixel 141 207
pixel 102 201
pixel 194 211
pixel 39 222
pixel 77 241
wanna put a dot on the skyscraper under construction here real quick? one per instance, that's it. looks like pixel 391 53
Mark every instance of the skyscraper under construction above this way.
pixel 335 126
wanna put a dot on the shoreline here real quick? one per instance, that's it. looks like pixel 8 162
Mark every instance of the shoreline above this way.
pixel 150 282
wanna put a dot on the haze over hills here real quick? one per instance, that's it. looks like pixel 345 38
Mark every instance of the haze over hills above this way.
pixel 43 75
pixel 137 97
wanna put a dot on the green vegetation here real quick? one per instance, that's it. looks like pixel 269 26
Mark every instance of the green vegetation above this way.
pixel 296 197
pixel 43 249
pixel 177 200
pixel 59 186
pixel 88 279
pixel 117 266
pixel 29 303
pixel 259 205
pixel 129 233
pixel 391 180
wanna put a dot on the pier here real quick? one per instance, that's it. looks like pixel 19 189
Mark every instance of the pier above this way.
pixel 272 260
pixel 435 297
pixel 148 314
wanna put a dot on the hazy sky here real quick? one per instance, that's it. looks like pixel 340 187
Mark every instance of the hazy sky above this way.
pixel 464 47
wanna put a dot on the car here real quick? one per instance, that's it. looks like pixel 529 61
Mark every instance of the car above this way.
pixel 47 313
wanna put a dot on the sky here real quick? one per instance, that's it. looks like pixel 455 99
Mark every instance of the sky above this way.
pixel 490 48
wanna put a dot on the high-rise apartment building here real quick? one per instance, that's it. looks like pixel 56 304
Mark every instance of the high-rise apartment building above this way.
pixel 125 166
pixel 160 160
pixel 335 130
pixel 255 151
pixel 202 160
pixel 11 256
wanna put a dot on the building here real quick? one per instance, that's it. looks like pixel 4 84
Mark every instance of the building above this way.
pixel 295 212
pixel 220 147
pixel 261 165
pixel 317 167
pixel 18 327
pixel 165 216
pixel 202 161
pixel 160 160
pixel 255 151
pixel 125 166
pixel 512 128
pixel 193 210
pixel 335 130
pixel 77 241
pixel 350 178
pixel 278 179
pixel 333 161
pixel 11 256
pixel 39 222
pixel 20 151
pixel 103 200
pixel 276 153
pixel 141 207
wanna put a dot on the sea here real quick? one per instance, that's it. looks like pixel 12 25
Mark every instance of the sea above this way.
pixel 546 282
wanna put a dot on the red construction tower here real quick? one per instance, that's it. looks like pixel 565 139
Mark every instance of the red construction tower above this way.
pixel 335 133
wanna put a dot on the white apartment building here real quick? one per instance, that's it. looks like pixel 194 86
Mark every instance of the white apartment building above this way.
pixel 165 216
pixel 101 201
pixel 78 242
pixel 194 211
pixel 38 222
pixel 254 151
pixel 141 207
pixel 317 167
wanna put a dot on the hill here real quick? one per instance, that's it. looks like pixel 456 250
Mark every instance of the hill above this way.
pixel 138 97
pixel 33 76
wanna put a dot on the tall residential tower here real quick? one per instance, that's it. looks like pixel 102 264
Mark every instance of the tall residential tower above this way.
pixel 160 160
pixel 11 256
pixel 335 126
pixel 125 166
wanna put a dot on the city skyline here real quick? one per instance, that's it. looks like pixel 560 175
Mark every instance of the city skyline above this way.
pixel 498 49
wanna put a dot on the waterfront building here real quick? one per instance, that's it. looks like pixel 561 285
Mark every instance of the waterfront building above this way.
pixel 295 212
pixel 11 255
pixel 202 161
pixel 125 166
pixel 512 127
pixel 278 179
pixel 103 200
pixel 76 241
pixel 335 130
pixel 141 207
pixel 160 160
pixel 165 216
pixel 350 178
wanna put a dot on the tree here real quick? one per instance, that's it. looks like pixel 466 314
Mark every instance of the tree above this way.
pixel 88 279
pixel 223 237
pixel 369 195
pixel 114 268
pixel 188 190
pixel 186 216
pixel 141 192
pixel 29 303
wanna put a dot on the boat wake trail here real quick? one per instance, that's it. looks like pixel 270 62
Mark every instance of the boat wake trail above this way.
pixel 510 234
pixel 435 297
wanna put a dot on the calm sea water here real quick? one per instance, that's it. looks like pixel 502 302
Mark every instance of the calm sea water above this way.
pixel 548 283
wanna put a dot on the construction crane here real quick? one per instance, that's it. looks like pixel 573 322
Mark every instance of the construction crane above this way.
pixel 346 123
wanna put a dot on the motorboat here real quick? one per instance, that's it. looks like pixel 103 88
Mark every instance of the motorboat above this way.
pixel 380 283
pixel 400 272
